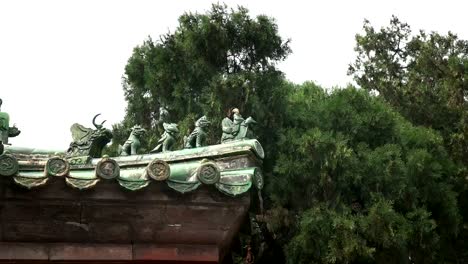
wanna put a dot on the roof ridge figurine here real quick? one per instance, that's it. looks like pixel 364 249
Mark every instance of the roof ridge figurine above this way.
pixel 132 144
pixel 235 127
pixel 88 141
pixel 168 138
pixel 5 130
pixel 198 136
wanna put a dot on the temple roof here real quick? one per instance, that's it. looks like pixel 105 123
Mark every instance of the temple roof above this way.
pixel 231 167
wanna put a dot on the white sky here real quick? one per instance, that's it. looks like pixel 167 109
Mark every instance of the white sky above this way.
pixel 61 62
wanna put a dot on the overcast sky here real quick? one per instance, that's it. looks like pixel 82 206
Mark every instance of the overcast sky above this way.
pixel 61 62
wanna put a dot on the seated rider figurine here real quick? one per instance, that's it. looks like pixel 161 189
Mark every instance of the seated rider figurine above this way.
pixel 237 128
pixel 227 126
pixel 231 124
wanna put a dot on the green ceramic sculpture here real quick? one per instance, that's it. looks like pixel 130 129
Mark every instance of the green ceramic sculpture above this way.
pixel 245 129
pixel 168 138
pixel 5 130
pixel 227 127
pixel 235 127
pixel 132 144
pixel 197 138
pixel 88 141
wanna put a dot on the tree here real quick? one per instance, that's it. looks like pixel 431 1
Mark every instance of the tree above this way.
pixel 424 76
pixel 211 62
pixel 361 183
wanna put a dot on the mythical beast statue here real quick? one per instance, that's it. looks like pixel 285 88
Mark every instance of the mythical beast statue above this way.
pixel 197 138
pixel 132 144
pixel 168 138
pixel 88 141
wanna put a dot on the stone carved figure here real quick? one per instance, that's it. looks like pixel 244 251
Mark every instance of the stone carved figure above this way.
pixel 132 144
pixel 197 138
pixel 88 141
pixel 235 127
pixel 168 138
pixel 227 126
pixel 5 130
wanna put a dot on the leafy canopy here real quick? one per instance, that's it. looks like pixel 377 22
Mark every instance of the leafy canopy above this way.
pixel 367 185
pixel 424 76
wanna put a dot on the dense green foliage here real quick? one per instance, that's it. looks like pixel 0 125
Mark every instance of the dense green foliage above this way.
pixel 423 76
pixel 366 184
pixel 352 176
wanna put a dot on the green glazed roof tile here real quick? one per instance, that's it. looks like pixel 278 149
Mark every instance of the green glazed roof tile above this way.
pixel 184 170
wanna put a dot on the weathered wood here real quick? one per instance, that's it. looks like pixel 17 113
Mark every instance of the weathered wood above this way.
pixel 176 253
pixel 112 212
pixel 23 251
pixel 177 234
pixel 105 232
pixel 110 253
pixel 90 252
pixel 229 235
pixel 45 231
pixel 67 211
pixel 40 211
pixel 20 211
pixel 200 214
